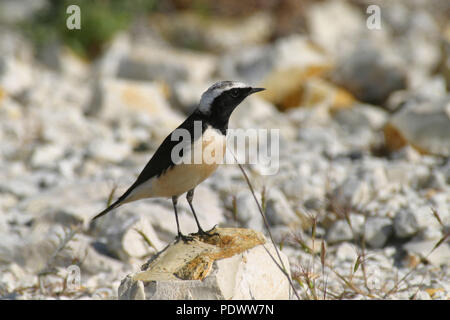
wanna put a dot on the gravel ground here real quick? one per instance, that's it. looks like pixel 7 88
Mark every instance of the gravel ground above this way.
pixel 360 202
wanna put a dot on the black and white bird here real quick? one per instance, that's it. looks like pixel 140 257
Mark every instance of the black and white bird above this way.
pixel 164 176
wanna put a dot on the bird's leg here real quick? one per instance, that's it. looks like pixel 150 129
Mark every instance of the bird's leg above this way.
pixel 189 198
pixel 179 234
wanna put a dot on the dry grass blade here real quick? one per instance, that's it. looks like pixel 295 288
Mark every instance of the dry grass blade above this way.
pixel 440 242
pixel 111 195
pixel 357 264
pixel 322 253
pixel 282 267
pixel 146 239
pixel 436 215
pixel 395 288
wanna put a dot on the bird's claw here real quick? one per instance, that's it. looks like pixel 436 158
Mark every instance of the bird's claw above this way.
pixel 185 239
pixel 208 233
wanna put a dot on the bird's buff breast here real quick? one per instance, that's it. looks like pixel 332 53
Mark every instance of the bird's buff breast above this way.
pixel 190 172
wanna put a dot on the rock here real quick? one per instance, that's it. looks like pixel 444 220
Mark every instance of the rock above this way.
pixel 366 65
pixel 422 295
pixel 404 173
pixel 247 211
pixel 46 155
pixel 347 252
pixel 66 127
pixel 407 153
pixel 341 231
pixel 127 235
pixel 62 204
pixel 440 256
pixel 13 276
pixel 319 140
pixel 413 219
pixel 156 63
pixel 63 59
pixel 361 117
pixel 445 53
pixel 15 75
pixel 353 192
pixel 216 34
pixel 232 266
pixel 186 95
pixel 377 231
pixel 346 26
pixel 21 187
pixel 278 209
pixel 115 100
pixel 277 68
pixel 415 23
pixel 425 126
pixel 316 92
pixel 147 58
pixel 257 113
pixel 12 12
pixel 108 151
pixel 81 251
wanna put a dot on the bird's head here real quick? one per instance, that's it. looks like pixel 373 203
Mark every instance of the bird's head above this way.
pixel 223 97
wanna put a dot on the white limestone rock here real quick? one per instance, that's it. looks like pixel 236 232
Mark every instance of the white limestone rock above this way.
pixel 238 268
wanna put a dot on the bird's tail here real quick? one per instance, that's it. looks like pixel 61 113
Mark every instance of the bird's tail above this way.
pixel 122 199
pixel 111 207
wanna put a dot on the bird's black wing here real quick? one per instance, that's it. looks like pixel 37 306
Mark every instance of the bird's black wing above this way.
pixel 160 161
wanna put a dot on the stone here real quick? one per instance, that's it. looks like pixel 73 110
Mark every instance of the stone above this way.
pixel 15 12
pixel 347 252
pixel 46 155
pixel 247 211
pixel 412 219
pixel 64 127
pixel 218 34
pixel 341 231
pixel 361 116
pixel 63 59
pixel 115 99
pixel 278 209
pixel 277 68
pixel 128 235
pixel 15 75
pixel 233 265
pixel 365 65
pixel 346 26
pixel 159 63
pixel 108 151
pixel 377 231
pixel 425 126
pixel 353 192
pixel 422 295
pixel 423 249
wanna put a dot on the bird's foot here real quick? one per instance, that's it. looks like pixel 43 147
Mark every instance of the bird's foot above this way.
pixel 185 239
pixel 209 233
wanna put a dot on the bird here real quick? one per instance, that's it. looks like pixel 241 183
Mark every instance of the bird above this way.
pixel 169 173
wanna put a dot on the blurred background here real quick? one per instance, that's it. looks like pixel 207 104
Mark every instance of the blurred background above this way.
pixel 358 89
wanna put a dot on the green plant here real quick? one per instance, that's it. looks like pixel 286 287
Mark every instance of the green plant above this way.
pixel 100 21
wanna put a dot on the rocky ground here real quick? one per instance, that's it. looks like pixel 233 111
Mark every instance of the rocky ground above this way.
pixel 360 203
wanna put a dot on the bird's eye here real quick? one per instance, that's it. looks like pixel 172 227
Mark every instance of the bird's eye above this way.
pixel 234 93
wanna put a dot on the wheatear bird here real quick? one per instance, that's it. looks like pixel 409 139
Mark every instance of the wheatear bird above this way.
pixel 165 176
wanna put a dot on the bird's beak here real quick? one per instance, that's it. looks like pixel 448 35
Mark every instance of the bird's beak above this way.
pixel 254 90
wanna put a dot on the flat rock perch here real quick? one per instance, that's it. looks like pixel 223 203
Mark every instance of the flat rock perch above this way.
pixel 233 265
